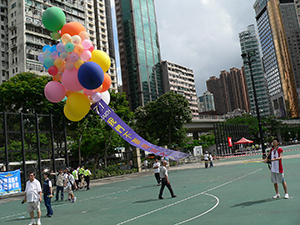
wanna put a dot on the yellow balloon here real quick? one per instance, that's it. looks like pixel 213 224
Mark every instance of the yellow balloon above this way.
pixel 101 58
pixel 58 63
pixel 78 63
pixel 69 116
pixel 78 105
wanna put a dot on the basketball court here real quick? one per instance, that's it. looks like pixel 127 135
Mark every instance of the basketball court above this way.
pixel 234 191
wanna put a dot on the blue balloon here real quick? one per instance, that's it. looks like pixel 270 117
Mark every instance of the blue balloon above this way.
pixel 46 48
pixel 90 75
pixel 53 48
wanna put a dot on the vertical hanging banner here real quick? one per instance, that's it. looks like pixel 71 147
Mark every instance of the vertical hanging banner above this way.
pixel 115 122
pixel 10 182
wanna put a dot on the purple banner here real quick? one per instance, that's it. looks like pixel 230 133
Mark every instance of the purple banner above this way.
pixel 114 121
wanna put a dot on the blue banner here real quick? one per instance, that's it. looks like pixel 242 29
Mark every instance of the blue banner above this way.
pixel 10 182
pixel 115 122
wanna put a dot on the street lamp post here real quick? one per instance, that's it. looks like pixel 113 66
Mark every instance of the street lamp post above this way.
pixel 248 59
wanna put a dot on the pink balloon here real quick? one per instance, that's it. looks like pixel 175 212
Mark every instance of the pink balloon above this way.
pixel 54 91
pixel 86 55
pixel 88 92
pixel 70 80
pixel 86 44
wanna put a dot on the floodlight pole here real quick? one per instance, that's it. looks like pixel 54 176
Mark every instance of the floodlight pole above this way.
pixel 248 59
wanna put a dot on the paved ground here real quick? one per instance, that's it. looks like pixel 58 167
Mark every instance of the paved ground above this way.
pixel 235 191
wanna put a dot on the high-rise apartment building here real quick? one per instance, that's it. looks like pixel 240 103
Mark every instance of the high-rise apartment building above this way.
pixel 249 43
pixel 139 51
pixel 23 34
pixel 230 91
pixel 206 102
pixel 180 79
pixel 276 27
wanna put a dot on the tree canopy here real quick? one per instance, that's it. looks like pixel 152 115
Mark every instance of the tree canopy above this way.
pixel 161 121
pixel 25 93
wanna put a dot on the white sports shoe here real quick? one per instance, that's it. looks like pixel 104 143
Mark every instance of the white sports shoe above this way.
pixel 286 196
pixel 276 196
pixel 32 223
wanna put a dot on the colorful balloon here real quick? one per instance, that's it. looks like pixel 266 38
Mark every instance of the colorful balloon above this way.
pixel 41 57
pixel 63 55
pixel 60 47
pixel 48 62
pixel 56 77
pixel 78 49
pixel 46 48
pixel 72 28
pixel 96 96
pixel 55 35
pixel 78 105
pixel 90 75
pixel 70 80
pixel 106 97
pixel 54 91
pixel 73 57
pixel 69 47
pixel 66 38
pixel 69 65
pixel 76 40
pixel 52 70
pixel 86 55
pixel 58 63
pixel 53 18
pixel 86 44
pixel 101 58
pixel 78 63
pixel 69 116
pixel 84 35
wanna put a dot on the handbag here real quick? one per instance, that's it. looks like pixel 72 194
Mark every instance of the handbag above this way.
pixel 73 186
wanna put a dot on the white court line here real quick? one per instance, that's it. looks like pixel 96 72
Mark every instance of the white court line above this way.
pixel 86 199
pixel 188 198
pixel 195 217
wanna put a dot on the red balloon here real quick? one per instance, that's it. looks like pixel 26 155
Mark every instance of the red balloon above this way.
pixel 52 70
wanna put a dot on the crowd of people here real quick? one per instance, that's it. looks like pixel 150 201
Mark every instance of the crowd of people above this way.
pixel 70 180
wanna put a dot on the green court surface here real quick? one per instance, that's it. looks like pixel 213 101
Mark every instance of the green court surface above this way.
pixel 229 193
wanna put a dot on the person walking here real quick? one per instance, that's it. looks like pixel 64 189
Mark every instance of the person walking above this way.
pixel 75 175
pixel 87 174
pixel 33 196
pixel 165 181
pixel 156 167
pixel 60 184
pixel 47 191
pixel 70 183
pixel 206 159
pixel 80 177
pixel 211 160
pixel 277 175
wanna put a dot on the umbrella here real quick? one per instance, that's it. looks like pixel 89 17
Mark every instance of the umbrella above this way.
pixel 243 141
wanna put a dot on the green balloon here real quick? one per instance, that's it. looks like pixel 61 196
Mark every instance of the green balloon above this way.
pixel 53 18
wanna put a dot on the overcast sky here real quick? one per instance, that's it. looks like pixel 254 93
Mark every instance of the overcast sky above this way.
pixel 203 34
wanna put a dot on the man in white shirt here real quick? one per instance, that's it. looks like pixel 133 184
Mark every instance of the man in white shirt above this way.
pixel 156 166
pixel 165 181
pixel 33 195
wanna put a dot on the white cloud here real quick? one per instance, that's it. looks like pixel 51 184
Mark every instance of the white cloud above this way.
pixel 203 35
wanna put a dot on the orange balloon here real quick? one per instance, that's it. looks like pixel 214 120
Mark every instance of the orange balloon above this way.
pixel 56 77
pixel 72 28
pixel 106 83
pixel 68 93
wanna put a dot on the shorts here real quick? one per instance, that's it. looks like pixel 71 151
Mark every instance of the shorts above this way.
pixel 70 190
pixel 31 206
pixel 277 178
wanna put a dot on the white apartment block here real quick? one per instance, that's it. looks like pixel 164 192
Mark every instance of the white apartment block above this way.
pixel 180 79
pixel 23 34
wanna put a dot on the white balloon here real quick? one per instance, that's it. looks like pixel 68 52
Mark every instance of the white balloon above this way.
pixel 96 96
pixel 106 97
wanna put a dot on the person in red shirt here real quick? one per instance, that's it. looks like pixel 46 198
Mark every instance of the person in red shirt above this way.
pixel 277 175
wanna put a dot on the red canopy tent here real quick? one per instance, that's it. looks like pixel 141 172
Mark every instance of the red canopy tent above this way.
pixel 243 141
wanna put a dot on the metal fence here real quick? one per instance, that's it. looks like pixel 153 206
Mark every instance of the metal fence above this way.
pixel 32 142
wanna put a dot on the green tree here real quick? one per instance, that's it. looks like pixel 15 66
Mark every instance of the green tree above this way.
pixel 93 138
pixel 161 121
pixel 25 93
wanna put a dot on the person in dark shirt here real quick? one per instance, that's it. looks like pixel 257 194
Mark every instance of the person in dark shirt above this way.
pixel 47 191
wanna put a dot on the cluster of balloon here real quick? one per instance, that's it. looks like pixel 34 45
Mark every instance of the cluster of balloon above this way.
pixel 78 70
